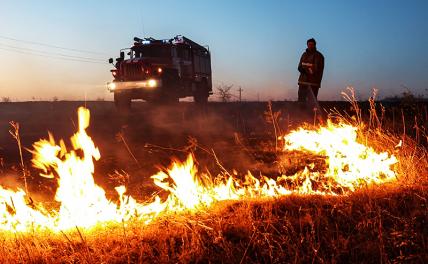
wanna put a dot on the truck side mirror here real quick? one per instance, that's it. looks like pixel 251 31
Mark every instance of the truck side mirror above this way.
pixel 110 60
pixel 122 55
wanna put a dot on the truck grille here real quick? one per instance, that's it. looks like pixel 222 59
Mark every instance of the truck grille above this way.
pixel 133 71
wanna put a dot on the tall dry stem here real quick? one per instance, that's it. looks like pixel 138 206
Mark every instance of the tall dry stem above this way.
pixel 16 136
pixel 350 97
pixel 272 117
pixel 374 121
pixel 121 138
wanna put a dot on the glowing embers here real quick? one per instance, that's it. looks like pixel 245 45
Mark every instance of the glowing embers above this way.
pixel 83 203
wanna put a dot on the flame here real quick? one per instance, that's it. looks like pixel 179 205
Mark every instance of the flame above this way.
pixel 350 165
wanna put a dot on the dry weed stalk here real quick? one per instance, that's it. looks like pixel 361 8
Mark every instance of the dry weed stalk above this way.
pixel 121 138
pixel 413 157
pixel 16 136
pixel 374 121
pixel 350 97
pixel 272 117
pixel 383 224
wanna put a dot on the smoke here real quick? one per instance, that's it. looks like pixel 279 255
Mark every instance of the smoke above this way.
pixel 153 134
pixel 148 136
pixel 11 181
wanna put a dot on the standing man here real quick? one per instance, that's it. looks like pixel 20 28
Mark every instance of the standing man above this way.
pixel 311 68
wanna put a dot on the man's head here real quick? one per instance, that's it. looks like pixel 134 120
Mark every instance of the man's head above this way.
pixel 312 44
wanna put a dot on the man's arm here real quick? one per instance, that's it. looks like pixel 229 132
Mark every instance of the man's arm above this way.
pixel 300 66
pixel 318 66
pixel 321 66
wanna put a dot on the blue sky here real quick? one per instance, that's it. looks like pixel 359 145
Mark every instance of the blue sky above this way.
pixel 254 44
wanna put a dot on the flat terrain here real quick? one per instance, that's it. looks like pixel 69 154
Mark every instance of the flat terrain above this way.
pixel 380 224
pixel 149 135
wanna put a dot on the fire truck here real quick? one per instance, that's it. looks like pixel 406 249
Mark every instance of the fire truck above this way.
pixel 161 71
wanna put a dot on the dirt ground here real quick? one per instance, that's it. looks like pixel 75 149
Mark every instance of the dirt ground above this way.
pixel 236 135
pixel 138 142
pixel 373 225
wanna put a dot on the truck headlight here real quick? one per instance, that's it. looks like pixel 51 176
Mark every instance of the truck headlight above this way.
pixel 111 86
pixel 152 83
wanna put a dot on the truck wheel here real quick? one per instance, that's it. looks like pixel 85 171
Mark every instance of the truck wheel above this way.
pixel 171 81
pixel 122 101
pixel 200 96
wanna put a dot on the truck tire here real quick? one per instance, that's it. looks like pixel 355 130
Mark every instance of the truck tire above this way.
pixel 171 83
pixel 122 101
pixel 200 96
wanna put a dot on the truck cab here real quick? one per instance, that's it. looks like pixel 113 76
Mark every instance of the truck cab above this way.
pixel 161 71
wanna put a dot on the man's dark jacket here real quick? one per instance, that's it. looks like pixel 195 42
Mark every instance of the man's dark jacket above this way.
pixel 317 60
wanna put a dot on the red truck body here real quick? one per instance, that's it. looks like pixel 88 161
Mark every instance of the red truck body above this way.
pixel 162 71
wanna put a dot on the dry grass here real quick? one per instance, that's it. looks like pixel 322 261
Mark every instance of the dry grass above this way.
pixel 379 224
pixel 383 224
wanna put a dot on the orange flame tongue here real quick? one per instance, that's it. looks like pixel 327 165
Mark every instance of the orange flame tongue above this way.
pixel 350 164
pixel 84 204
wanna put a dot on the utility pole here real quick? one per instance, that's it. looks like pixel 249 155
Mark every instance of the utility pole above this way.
pixel 240 93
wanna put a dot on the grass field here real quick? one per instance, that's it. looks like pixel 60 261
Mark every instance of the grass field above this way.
pixel 376 224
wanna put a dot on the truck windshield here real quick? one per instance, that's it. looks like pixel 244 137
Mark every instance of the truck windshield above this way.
pixel 152 51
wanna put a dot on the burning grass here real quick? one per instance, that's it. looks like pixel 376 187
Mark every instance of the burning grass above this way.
pixel 367 202
pixel 372 225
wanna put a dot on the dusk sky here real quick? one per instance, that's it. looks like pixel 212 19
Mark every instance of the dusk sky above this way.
pixel 254 44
